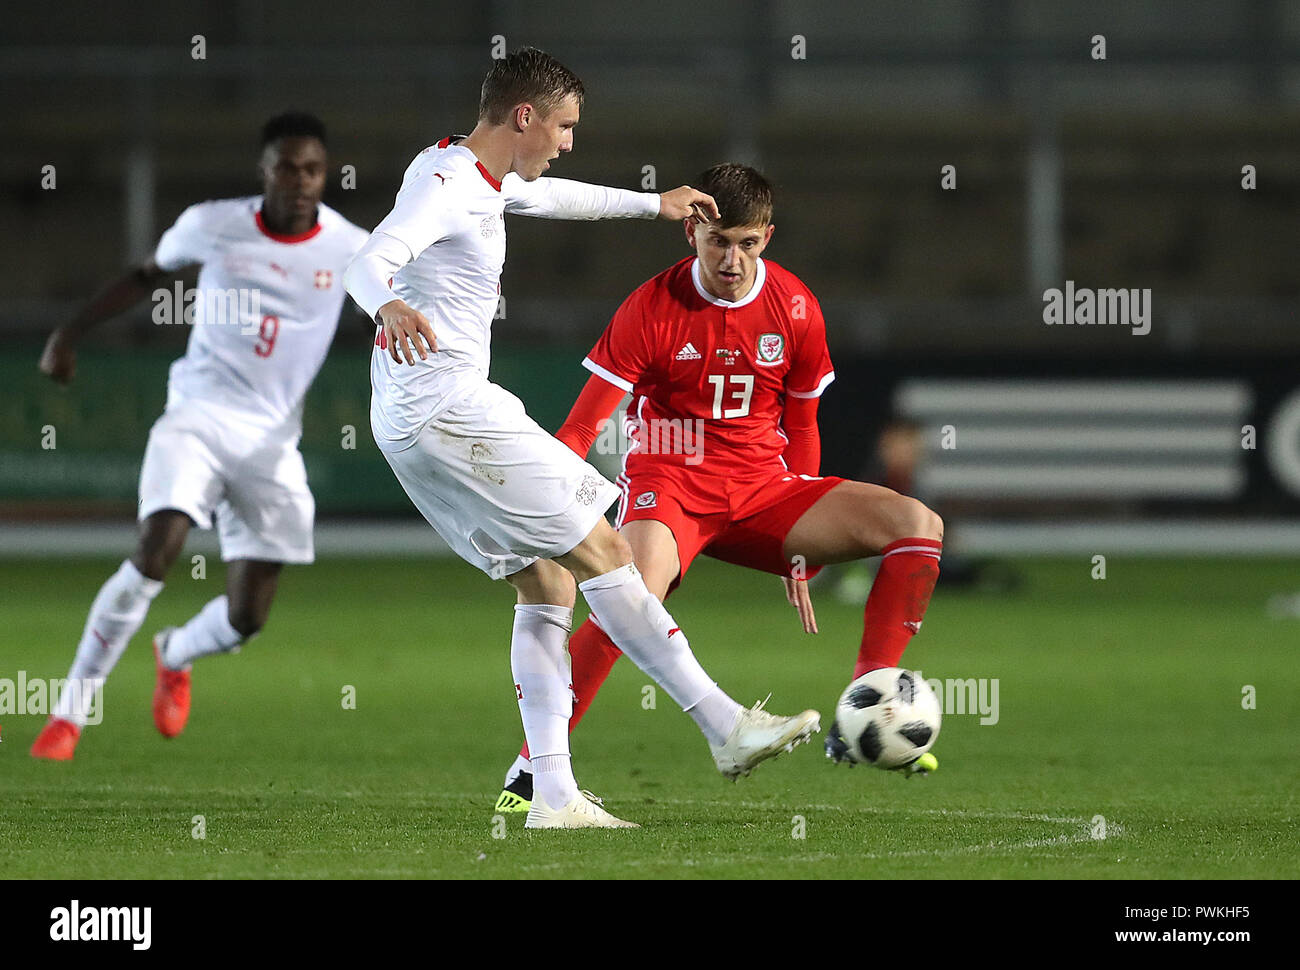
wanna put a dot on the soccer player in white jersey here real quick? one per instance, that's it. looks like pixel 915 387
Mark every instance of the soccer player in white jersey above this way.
pixel 509 498
pixel 264 314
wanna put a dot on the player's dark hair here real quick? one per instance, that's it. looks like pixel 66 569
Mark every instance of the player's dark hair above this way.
pixel 526 75
pixel 293 124
pixel 744 197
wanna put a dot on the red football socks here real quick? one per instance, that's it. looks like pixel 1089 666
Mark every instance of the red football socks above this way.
pixel 593 654
pixel 897 601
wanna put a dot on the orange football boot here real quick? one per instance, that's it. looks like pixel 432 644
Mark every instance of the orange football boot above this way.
pixel 57 740
pixel 171 696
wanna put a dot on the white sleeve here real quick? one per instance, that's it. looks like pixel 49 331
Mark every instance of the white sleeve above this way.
pixel 359 237
pixel 367 277
pixel 186 242
pixel 424 210
pixel 551 198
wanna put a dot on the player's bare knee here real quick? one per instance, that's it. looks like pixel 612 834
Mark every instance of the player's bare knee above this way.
pixel 162 537
pixel 936 526
pixel 154 556
pixel 545 583
pixel 610 552
pixel 603 551
pixel 920 522
pixel 617 551
pixel 911 519
pixel 562 588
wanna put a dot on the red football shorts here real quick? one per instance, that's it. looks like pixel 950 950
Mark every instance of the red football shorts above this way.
pixel 740 522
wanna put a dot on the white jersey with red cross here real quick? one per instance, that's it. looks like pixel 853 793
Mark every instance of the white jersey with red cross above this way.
pixel 264 312
pixel 448 222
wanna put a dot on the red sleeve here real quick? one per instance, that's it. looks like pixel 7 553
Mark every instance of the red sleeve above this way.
pixel 803 455
pixel 623 352
pixel 596 402
pixel 811 370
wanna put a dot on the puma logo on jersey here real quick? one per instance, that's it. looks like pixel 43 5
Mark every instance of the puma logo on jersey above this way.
pixel 689 353
pixel 913 625
pixel 675 629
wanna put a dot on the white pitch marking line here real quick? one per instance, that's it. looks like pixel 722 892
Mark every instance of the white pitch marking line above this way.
pixel 1113 829
pixel 875 810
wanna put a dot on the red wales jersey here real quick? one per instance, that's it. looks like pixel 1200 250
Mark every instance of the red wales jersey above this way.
pixel 699 365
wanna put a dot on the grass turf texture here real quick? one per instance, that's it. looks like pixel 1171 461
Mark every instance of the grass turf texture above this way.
pixel 1120 698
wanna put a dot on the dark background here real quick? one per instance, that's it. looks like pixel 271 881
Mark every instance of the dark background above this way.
pixel 1122 172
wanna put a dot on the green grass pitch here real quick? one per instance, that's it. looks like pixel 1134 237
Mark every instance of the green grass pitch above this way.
pixel 1120 698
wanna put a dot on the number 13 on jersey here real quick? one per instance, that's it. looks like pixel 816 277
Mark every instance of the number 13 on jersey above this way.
pixel 746 391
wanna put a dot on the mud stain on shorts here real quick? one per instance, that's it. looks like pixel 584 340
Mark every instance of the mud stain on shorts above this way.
pixel 479 453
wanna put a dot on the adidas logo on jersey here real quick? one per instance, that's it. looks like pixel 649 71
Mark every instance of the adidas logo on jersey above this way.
pixel 689 353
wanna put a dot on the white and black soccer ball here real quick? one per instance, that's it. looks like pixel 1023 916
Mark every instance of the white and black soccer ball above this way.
pixel 887 718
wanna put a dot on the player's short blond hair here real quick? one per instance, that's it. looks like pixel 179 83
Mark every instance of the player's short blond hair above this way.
pixel 526 76
pixel 743 195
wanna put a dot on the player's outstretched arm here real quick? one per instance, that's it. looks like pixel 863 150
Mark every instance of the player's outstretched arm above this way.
pixel 556 198
pixel 59 359
pixel 685 202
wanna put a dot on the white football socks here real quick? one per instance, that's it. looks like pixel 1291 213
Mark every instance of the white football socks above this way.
pixel 553 780
pixel 115 615
pixel 715 715
pixel 539 660
pixel 208 632
pixel 641 627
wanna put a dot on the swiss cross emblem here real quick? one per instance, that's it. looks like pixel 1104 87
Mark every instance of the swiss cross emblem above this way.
pixel 324 279
pixel 771 348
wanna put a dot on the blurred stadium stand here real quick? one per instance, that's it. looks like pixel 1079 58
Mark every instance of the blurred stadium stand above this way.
pixel 1117 173
pixel 1108 441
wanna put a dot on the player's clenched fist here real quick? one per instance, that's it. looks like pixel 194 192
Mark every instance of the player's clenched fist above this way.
pixel 59 360
pixel 404 327
pixel 686 202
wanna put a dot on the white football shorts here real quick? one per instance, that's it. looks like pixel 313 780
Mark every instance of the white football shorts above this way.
pixel 499 490
pixel 208 465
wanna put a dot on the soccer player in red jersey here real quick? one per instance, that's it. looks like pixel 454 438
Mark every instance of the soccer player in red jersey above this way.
pixel 725 357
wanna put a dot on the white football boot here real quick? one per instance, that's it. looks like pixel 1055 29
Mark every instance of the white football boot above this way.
pixel 584 812
pixel 758 736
